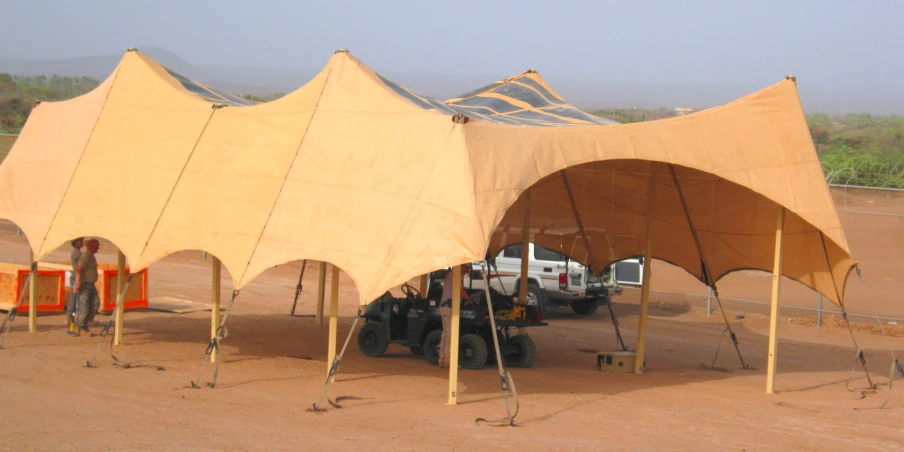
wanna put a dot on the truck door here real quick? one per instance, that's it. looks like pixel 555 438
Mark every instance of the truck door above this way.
pixel 548 264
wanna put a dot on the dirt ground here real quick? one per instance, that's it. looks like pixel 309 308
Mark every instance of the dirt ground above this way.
pixel 49 400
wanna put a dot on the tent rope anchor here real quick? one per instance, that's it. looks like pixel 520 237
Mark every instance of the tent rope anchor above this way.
pixel 506 382
pixel 707 277
pixel 732 335
pixel 214 345
pixel 616 325
pixel 334 367
pixel 11 315
pixel 895 368
pixel 92 363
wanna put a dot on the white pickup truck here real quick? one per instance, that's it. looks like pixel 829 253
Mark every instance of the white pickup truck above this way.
pixel 555 280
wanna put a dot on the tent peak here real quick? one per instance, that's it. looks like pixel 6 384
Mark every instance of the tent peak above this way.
pixel 132 49
pixel 791 77
pixel 341 50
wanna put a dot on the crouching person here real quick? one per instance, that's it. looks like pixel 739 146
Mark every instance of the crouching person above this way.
pixel 85 280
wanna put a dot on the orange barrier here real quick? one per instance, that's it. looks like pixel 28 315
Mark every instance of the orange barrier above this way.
pixel 136 297
pixel 51 292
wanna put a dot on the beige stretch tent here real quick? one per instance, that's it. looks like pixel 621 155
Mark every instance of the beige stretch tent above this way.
pixel 354 170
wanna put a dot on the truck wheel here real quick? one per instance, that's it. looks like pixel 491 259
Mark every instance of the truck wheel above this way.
pixel 472 352
pixel 416 349
pixel 371 340
pixel 535 297
pixel 584 307
pixel 523 352
pixel 431 346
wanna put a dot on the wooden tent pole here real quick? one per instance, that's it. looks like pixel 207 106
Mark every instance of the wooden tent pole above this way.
pixel 215 303
pixel 525 254
pixel 321 289
pixel 32 304
pixel 422 284
pixel 334 316
pixel 120 284
pixel 645 282
pixel 453 336
pixel 773 313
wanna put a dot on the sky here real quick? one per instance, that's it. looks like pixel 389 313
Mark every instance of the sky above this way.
pixel 843 44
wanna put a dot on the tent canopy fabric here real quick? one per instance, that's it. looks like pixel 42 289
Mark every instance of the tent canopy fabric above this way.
pixel 357 171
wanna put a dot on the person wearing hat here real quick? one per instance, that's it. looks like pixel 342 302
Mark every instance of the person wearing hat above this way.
pixel 85 278
pixel 74 254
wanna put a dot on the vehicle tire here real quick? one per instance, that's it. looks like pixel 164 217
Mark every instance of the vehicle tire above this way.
pixel 371 340
pixel 523 352
pixel 431 346
pixel 586 306
pixel 535 296
pixel 416 349
pixel 472 352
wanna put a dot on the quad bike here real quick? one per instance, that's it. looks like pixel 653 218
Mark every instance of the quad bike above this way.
pixel 415 321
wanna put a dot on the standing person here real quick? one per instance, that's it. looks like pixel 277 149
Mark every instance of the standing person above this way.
pixel 74 256
pixel 445 310
pixel 86 276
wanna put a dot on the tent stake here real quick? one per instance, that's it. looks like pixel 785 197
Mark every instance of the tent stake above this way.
pixel 215 304
pixel 453 335
pixel 773 313
pixel 645 282
pixel 321 289
pixel 120 284
pixel 334 316
pixel 32 304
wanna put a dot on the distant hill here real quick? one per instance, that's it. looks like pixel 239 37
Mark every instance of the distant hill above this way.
pixel 587 94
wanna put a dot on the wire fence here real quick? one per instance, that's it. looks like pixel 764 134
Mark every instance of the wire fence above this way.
pixel 865 173
pixel 821 313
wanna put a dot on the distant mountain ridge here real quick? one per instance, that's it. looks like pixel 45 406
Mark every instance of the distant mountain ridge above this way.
pixel 586 94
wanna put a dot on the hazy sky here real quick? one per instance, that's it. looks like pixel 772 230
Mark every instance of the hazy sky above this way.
pixel 830 43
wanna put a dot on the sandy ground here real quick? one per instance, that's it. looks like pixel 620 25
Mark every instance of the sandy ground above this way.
pixel 50 401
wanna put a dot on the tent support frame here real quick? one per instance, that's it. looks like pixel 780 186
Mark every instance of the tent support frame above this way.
pixel 645 281
pixel 773 312
pixel 215 303
pixel 525 256
pixel 32 303
pixel 334 317
pixel 454 335
pixel 321 292
pixel 120 272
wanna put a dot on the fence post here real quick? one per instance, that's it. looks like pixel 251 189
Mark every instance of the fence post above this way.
pixel 819 312
pixel 709 301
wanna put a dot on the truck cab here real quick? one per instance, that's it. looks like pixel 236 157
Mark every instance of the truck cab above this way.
pixel 555 280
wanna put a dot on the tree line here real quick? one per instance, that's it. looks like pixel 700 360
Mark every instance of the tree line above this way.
pixel 19 94
pixel 861 148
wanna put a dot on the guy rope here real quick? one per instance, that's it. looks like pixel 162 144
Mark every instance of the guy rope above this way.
pixel 106 330
pixel 11 315
pixel 505 378
pixel 214 345
pixel 334 367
